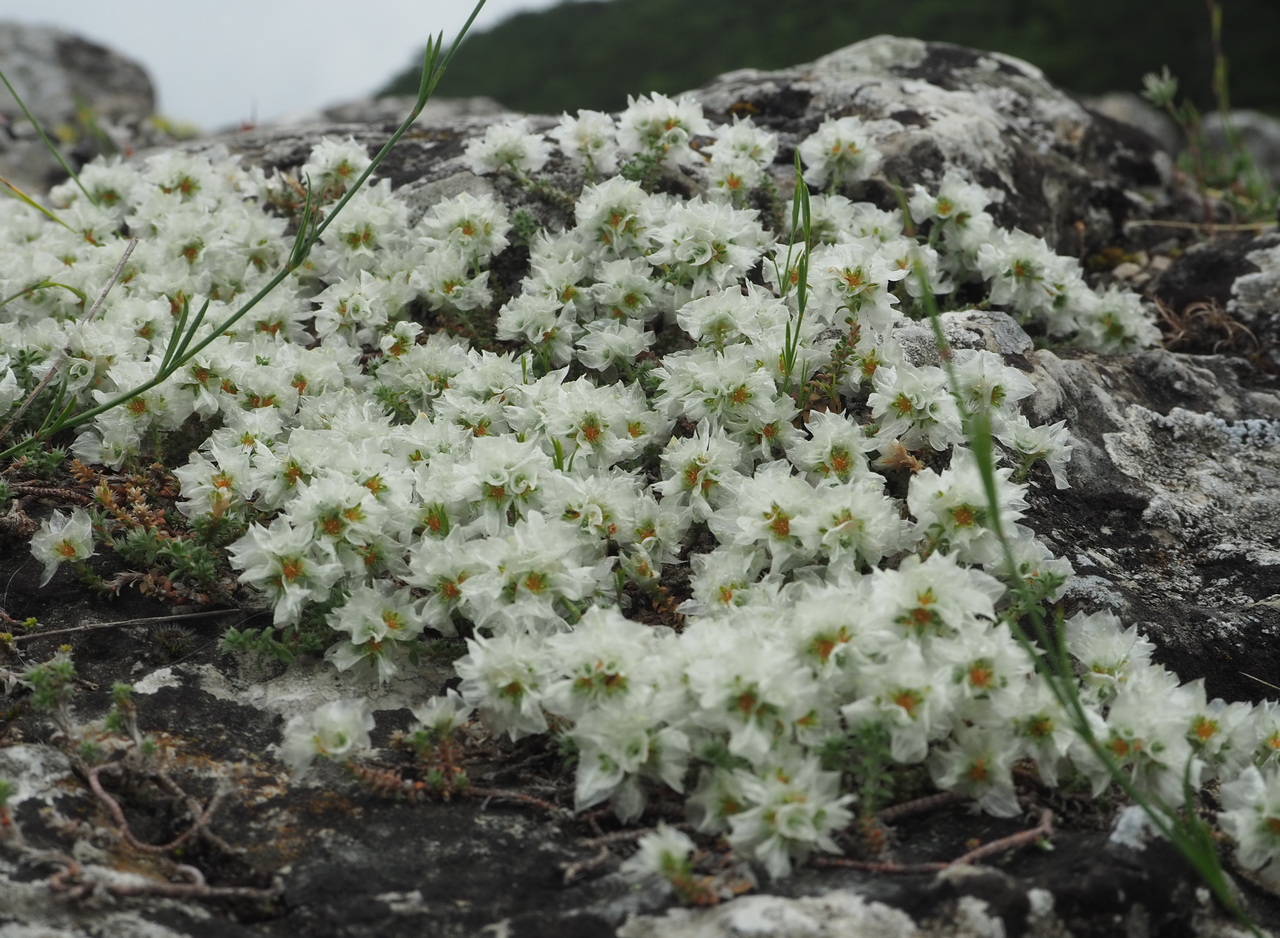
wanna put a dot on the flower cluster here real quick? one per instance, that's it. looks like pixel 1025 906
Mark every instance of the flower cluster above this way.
pixel 398 482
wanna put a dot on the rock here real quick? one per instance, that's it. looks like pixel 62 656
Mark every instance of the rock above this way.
pixel 1071 175
pixel 52 70
pixel 1258 133
pixel 1135 110
pixel 1171 520
pixel 393 110
pixel 1224 295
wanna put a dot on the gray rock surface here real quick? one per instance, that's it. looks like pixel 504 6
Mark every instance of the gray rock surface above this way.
pixel 1130 108
pixel 55 72
pixel 1259 134
pixel 1171 520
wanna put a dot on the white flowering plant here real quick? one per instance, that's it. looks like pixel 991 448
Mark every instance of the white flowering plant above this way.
pixel 672 384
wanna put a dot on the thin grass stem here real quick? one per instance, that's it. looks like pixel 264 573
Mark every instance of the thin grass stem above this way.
pixel 57 154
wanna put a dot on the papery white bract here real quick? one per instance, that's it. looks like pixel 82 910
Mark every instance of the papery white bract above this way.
pixel 511 145
pixel 334 730
pixel 62 538
pixel 1251 817
pixel 795 808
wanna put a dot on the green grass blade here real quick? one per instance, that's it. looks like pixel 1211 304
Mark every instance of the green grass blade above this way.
pixel 23 197
pixel 57 155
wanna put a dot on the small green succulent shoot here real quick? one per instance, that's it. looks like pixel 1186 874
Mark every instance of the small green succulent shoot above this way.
pixel 52 685
pixel 1160 89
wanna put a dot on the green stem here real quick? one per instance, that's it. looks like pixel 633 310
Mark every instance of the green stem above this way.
pixel 1052 661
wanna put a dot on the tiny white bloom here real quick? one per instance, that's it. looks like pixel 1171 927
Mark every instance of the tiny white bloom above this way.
pixel 335 730
pixel 62 537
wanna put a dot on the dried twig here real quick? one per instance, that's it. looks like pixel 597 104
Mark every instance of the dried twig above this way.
pixel 1198 225
pixel 877 866
pixel 503 794
pixel 1012 842
pixel 50 491
pixel 201 816
pixel 916 806
pixel 576 870
pixel 71 879
pixel 146 620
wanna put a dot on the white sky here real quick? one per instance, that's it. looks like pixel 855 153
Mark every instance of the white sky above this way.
pixel 215 64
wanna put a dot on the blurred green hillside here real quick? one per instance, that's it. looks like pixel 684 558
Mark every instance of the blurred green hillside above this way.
pixel 593 53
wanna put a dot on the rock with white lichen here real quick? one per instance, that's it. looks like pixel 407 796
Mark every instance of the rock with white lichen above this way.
pixel 1171 520
pixel 77 90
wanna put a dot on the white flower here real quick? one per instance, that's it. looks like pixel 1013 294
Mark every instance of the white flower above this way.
pixel 987 383
pixel 1110 653
pixel 978 763
pixel 729 316
pixel 1146 733
pixel 733 178
pixel 600 660
pixel 335 730
pixel 664 852
pixel 770 509
pixel 1160 89
pixel 446 277
pixel 852 523
pixel 536 568
pixel 730 389
pixel 701 471
pixel 500 475
pixel 1049 442
pixel 358 306
pixel 214 488
pixel 840 151
pixel 590 140
pixel 612 215
pixel 856 276
pixel 1115 321
pixel 655 124
pixel 10 390
pixel 952 508
pixel 289 564
pixel 503 678
pixel 617 742
pixel 935 597
pixel 914 406
pixel 957 202
pixel 745 686
pixel 910 697
pixel 612 344
pixel 476 225
pixel 333 166
pixel 703 245
pixel 1251 817
pixel 795 807
pixel 61 538
pixel 836 448
pixel 442 714
pixel 1027 276
pixel 543 323
pixel 624 290
pixel 510 145
pixel 743 140
pixel 377 619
